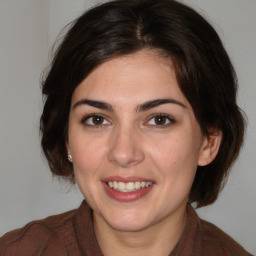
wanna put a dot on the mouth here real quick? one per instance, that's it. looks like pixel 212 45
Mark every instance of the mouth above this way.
pixel 128 186
pixel 127 189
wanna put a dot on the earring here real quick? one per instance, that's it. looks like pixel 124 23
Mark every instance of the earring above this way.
pixel 70 157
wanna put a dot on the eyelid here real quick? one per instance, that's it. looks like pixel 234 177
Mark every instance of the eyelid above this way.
pixel 171 119
pixel 84 119
pixel 168 117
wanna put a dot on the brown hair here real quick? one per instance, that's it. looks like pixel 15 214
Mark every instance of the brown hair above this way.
pixel 202 66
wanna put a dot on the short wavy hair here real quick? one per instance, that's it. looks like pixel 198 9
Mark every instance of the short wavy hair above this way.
pixel 203 70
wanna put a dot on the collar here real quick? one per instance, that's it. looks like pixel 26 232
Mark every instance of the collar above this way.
pixel 188 245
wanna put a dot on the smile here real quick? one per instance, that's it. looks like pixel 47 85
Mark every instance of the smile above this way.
pixel 128 186
pixel 127 189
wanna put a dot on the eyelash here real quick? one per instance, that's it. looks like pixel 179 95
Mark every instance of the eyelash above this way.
pixel 168 118
pixel 85 119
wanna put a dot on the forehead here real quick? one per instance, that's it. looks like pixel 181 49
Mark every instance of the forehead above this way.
pixel 140 76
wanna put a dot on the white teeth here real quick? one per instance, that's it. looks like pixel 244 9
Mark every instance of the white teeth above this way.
pixel 148 184
pixel 121 185
pixel 137 185
pixel 129 186
pixel 115 185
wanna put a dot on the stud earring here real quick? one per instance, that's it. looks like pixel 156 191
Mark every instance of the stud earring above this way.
pixel 70 157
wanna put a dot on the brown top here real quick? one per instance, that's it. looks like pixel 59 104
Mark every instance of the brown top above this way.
pixel 71 234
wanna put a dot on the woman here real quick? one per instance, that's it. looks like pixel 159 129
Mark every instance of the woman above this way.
pixel 140 111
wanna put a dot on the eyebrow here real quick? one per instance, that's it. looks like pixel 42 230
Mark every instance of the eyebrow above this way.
pixel 140 108
pixel 94 103
pixel 155 103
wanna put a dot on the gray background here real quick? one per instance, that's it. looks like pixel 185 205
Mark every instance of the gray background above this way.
pixel 28 29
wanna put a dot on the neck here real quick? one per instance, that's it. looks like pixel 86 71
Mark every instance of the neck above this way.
pixel 158 239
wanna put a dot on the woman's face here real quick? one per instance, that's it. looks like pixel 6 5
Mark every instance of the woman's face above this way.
pixel 135 141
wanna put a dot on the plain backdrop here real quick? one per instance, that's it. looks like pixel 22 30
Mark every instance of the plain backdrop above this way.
pixel 28 30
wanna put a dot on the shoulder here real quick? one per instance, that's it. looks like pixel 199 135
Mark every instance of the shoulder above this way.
pixel 37 237
pixel 217 242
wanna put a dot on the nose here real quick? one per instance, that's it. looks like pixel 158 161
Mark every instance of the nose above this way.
pixel 125 148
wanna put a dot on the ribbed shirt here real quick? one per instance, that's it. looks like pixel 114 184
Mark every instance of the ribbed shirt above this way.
pixel 72 234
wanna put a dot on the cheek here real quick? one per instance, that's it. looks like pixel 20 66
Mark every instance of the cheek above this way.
pixel 87 154
pixel 88 158
pixel 167 151
pixel 176 154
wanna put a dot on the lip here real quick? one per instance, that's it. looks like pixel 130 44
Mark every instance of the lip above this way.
pixel 126 196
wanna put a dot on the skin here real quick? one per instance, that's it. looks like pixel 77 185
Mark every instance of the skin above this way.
pixel 129 143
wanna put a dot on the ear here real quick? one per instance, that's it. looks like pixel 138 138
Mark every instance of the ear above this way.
pixel 67 146
pixel 210 147
pixel 68 151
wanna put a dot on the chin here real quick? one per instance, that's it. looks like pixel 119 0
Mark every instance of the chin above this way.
pixel 128 226
pixel 129 222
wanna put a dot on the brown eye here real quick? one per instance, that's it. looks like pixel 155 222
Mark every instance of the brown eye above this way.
pixel 96 120
pixel 160 120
